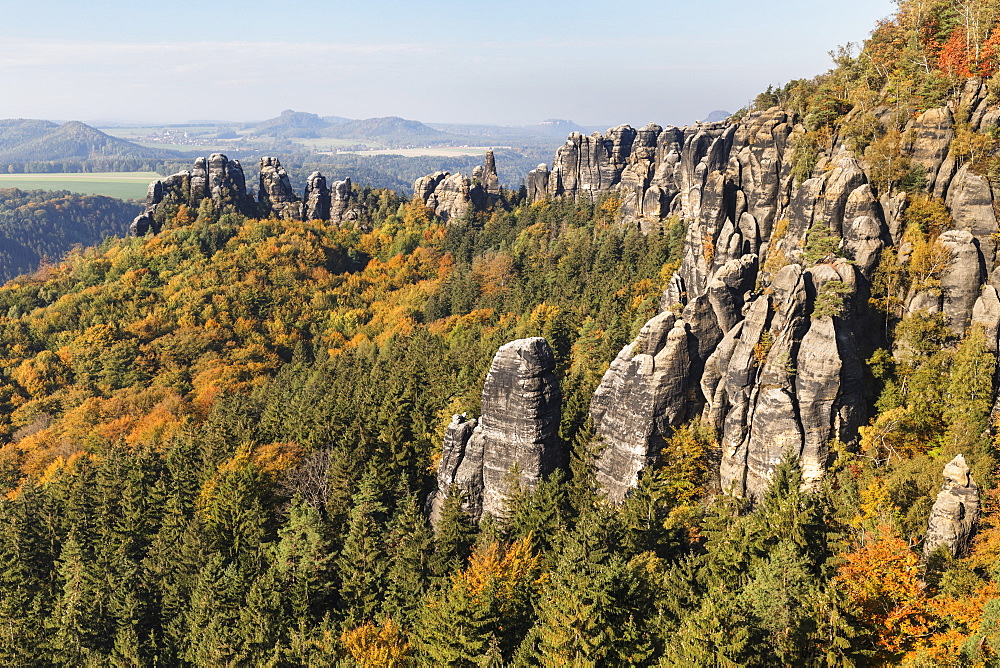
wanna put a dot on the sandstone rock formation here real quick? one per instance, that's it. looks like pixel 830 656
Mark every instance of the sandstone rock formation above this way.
pixel 222 180
pixel 276 199
pixel 775 339
pixel 785 379
pixel 217 178
pixel 458 466
pixel 316 201
pixel 515 443
pixel 641 396
pixel 956 510
pixel 341 202
pixel 452 196
pixel 536 183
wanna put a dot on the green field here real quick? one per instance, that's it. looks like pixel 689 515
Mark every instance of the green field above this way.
pixel 123 185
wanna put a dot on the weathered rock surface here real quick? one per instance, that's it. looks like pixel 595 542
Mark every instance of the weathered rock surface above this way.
pixel 341 202
pixel 515 443
pixel 537 183
pixel 956 510
pixel 960 281
pixel 786 379
pixel 222 180
pixel 316 202
pixel 458 467
pixel 276 199
pixel 452 196
pixel 641 396
pixel 217 178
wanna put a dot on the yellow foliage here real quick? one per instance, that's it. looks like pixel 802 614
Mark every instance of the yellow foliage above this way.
pixel 762 348
pixel 776 258
pixel 892 436
pixel 876 509
pixel 884 592
pixel 372 646
pixel 500 572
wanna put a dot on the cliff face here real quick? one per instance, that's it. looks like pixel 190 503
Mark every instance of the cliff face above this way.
pixel 515 443
pixel 222 181
pixel 775 335
pixel 642 394
pixel 454 196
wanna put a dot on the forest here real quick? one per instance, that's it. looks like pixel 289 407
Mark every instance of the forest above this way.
pixel 37 226
pixel 217 442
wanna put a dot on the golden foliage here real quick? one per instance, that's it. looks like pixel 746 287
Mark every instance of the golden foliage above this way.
pixel 884 591
pixel 377 646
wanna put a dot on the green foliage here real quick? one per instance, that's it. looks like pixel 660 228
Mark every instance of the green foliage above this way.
pixel 821 244
pixel 805 155
pixel 830 300
pixel 38 226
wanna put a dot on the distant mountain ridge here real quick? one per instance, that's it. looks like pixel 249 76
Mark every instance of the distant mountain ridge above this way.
pixel 390 130
pixel 31 140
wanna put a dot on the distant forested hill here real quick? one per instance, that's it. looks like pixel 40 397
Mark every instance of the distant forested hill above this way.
pixel 38 224
pixel 34 145
pixel 391 131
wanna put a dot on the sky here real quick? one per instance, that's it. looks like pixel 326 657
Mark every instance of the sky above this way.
pixel 449 61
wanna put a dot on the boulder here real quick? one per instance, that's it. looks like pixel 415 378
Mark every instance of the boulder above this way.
pixel 955 513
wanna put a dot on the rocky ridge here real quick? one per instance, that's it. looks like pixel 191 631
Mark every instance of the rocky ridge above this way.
pixel 454 196
pixel 222 181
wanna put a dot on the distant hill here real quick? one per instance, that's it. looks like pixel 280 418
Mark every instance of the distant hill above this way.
pixel 26 140
pixel 292 124
pixel 716 116
pixel 17 131
pixel 391 130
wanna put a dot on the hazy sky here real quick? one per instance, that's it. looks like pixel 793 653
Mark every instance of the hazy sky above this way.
pixel 519 61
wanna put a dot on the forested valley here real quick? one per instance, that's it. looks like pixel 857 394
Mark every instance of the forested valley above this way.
pixel 38 225
pixel 218 441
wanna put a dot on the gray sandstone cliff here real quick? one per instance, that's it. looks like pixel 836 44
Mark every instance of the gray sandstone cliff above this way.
pixel 641 396
pixel 515 442
pixel 775 339
pixel 956 510
pixel 223 182
pixel 276 199
pixel 453 196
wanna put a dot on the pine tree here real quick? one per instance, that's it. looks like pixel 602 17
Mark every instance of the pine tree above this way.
pixel 452 536
pixel 303 563
pixel 362 563
pixel 76 621
pixel 410 543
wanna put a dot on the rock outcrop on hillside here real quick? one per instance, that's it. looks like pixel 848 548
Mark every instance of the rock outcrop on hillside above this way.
pixel 217 178
pixel 775 334
pixel 956 510
pixel 515 443
pixel 275 197
pixel 223 181
pixel 641 396
pixel 452 196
